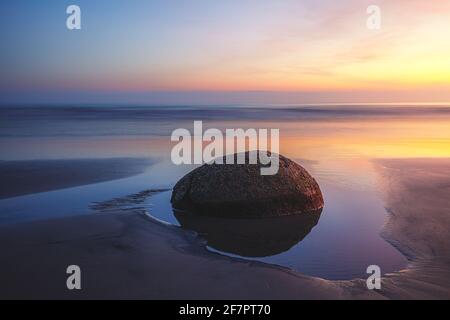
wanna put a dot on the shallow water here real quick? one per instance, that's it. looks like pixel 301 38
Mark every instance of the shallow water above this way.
pixel 343 243
pixel 336 144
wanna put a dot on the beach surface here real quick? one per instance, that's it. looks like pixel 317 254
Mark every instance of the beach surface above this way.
pixel 132 256
pixel 19 178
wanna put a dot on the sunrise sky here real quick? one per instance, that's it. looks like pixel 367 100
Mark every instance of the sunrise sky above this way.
pixel 204 51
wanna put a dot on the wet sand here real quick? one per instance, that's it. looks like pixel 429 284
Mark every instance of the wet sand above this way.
pixel 131 256
pixel 19 178
pixel 417 197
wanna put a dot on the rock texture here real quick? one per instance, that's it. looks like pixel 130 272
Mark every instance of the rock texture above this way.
pixel 239 190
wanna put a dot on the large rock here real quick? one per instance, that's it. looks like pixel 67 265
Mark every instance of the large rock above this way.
pixel 232 190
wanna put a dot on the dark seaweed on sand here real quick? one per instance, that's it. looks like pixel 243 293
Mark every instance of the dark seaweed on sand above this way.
pixel 131 202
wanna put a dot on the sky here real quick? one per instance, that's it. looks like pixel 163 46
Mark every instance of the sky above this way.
pixel 219 52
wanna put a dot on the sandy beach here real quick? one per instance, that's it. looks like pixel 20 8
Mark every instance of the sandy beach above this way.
pixel 232 150
pixel 19 178
pixel 132 256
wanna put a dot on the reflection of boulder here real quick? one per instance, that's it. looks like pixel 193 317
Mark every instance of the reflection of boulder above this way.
pixel 251 237
pixel 239 190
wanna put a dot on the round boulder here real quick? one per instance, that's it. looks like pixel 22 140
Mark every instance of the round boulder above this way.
pixel 240 190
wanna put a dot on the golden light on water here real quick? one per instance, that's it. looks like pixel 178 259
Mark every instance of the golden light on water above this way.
pixel 369 139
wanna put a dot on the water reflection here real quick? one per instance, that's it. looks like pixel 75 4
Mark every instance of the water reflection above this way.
pixel 338 143
pixel 251 237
